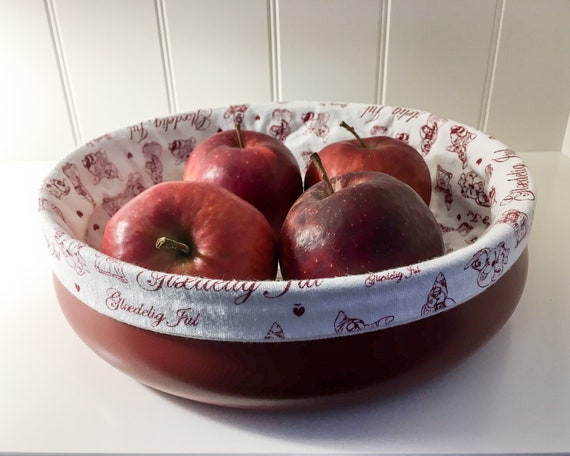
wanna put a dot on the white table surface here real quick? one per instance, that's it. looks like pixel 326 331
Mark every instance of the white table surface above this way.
pixel 56 396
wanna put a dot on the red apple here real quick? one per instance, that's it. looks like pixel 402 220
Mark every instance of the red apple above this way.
pixel 193 228
pixel 376 153
pixel 255 166
pixel 358 222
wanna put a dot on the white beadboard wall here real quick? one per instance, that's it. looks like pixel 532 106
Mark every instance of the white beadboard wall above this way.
pixel 71 70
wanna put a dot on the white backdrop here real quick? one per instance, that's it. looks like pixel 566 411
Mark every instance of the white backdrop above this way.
pixel 71 70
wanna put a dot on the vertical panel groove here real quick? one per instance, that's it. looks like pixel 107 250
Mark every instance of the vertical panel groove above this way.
pixel 383 43
pixel 166 55
pixel 566 139
pixel 274 49
pixel 492 65
pixel 57 44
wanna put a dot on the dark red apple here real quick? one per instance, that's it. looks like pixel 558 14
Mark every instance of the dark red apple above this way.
pixel 255 166
pixel 193 228
pixel 376 153
pixel 358 222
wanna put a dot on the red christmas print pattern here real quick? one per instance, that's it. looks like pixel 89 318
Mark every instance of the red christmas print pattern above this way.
pixel 280 123
pixel 518 221
pixel 298 309
pixel 306 159
pixel 475 217
pixel 460 137
pixel 94 142
pixel 428 135
pixel 45 205
pixel 71 171
pixel 65 248
pixel 404 137
pixel 344 324
pixel 110 267
pixel 445 228
pixel 181 149
pixel 490 264
pixel 464 229
pixel 473 187
pixel 492 196
pixel 111 204
pixel 275 332
pixel 443 185
pixel 438 297
pixel 98 164
pixel 317 123
pixel 378 130
pixel 153 166
pixel 57 188
pixel 236 113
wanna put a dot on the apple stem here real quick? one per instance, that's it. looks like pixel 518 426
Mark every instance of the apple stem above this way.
pixel 344 125
pixel 319 164
pixel 238 131
pixel 167 243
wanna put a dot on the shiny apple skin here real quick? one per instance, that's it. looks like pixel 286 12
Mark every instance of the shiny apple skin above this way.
pixel 381 153
pixel 371 222
pixel 229 238
pixel 264 172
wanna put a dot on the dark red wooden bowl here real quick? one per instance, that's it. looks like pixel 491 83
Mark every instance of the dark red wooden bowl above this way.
pixel 299 374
